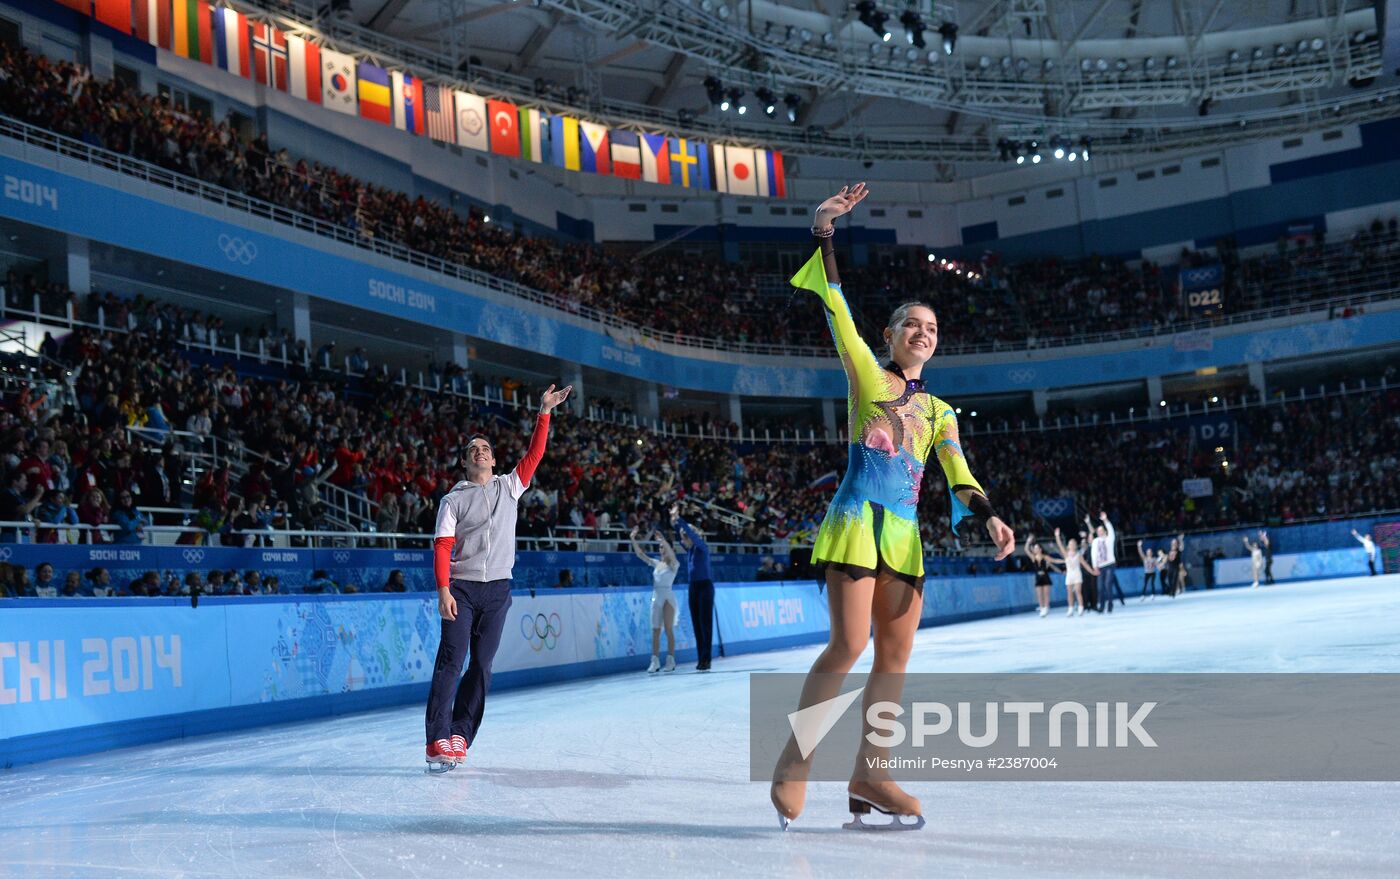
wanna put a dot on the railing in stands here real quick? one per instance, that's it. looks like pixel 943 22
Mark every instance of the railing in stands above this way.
pixel 122 164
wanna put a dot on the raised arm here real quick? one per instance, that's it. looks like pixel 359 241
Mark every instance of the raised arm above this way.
pixel 820 276
pixel 1060 544
pixel 1142 555
pixel 688 531
pixel 637 549
pixel 525 470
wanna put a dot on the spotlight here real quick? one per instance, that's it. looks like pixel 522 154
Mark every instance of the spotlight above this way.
pixel 1303 46
pixel 1086 65
pixel 1021 159
pixel 1257 54
pixel 1059 148
pixel 1035 159
pixel 685 118
pixel 714 89
pixel 1048 65
pixel 913 28
pixel 930 257
pixel 949 32
pixel 793 104
pixel 911 54
pixel 1073 155
pixel 1317 44
pixel 873 18
pixel 1171 62
pixel 766 100
pixel 1101 65
pixel 485 218
pixel 828 38
pixel 734 101
pixel 1121 64
pixel 1234 56
pixel 1149 64
pixel 1084 147
pixel 984 62
pixel 723 12
pixel 805 35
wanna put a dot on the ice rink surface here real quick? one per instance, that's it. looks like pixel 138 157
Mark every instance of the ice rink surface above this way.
pixel 637 775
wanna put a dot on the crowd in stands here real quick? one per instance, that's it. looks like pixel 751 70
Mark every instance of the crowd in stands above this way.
pixel 986 301
pixel 90 441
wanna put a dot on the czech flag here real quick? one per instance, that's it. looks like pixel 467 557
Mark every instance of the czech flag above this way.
pixel 656 158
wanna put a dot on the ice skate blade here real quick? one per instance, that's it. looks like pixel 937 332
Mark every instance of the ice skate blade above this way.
pixel 441 768
pixel 896 823
pixel 860 807
pixel 784 822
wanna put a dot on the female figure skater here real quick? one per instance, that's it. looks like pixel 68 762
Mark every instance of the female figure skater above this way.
pixel 869 541
pixel 1043 564
pixel 1075 566
pixel 1183 573
pixel 1149 572
pixel 663 600
pixel 1256 561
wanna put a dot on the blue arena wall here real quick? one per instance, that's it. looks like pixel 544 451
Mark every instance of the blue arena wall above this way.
pixel 106 673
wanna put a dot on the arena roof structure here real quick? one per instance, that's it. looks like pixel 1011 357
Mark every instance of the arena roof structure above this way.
pixel 959 83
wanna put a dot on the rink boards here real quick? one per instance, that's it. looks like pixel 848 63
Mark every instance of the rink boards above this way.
pixel 125 671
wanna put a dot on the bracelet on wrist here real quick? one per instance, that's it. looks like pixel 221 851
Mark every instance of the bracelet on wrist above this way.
pixel 823 233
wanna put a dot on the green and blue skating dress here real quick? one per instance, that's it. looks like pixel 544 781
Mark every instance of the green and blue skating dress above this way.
pixel 872 523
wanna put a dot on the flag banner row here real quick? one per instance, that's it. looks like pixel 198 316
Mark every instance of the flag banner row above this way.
pixel 228 39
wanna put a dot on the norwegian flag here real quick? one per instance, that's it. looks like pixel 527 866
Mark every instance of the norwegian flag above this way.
pixel 270 56
pixel 442 123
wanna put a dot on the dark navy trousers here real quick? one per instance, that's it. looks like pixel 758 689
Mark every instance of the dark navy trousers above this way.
pixel 456 702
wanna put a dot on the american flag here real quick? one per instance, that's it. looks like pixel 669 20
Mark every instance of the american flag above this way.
pixel 441 121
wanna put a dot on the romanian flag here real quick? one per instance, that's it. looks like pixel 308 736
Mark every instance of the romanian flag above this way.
pixel 375 100
pixel 563 142
pixel 193 30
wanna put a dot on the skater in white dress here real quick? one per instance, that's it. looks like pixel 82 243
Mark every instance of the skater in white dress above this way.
pixel 1075 565
pixel 663 600
pixel 1256 560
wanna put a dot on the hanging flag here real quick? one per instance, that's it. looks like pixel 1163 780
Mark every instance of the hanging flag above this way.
pixel 626 154
pixel 231 41
pixel 113 13
pixel 690 163
pixel 408 102
pixel 505 127
pixel 165 25
pixel 534 134
pixel 375 101
pixel 437 107
pixel 768 165
pixel 193 31
pixel 734 170
pixel 269 56
pixel 471 120
pixel 563 142
pixel 656 158
pixel 338 81
pixel 304 69
pixel 594 153
pixel 146 16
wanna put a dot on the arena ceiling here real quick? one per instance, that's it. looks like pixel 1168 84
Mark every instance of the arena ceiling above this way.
pixel 1134 76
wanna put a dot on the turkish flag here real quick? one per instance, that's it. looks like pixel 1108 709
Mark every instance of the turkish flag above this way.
pixel 505 127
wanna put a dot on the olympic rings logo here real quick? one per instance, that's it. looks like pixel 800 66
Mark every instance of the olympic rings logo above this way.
pixel 238 250
pixel 194 556
pixel 341 557
pixel 1021 376
pixel 5 554
pixel 540 631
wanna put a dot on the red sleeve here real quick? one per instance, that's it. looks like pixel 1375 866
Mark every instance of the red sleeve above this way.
pixel 442 560
pixel 526 468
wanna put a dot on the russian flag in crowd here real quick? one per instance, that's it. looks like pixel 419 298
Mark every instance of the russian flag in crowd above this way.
pixel 408 103
pixel 231 41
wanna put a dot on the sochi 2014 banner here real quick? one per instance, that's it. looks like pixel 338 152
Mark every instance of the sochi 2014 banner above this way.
pixel 1203 290
pixel 243 46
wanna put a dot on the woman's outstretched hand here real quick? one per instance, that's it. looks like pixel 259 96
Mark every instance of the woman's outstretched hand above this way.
pixel 840 203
